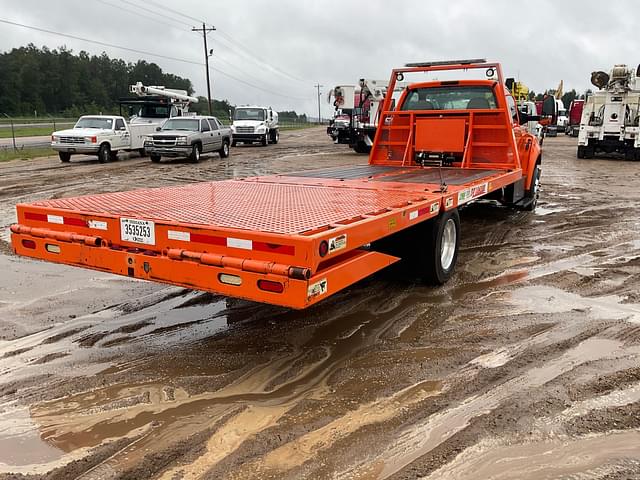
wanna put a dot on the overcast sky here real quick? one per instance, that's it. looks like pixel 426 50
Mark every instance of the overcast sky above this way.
pixel 285 47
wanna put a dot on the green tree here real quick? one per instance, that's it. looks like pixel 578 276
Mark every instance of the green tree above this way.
pixel 569 97
pixel 59 82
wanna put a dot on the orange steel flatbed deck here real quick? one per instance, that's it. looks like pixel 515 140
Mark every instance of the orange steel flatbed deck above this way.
pixel 298 238
pixel 255 230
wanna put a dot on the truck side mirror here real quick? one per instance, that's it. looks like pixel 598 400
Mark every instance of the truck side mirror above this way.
pixel 526 118
pixel 158 129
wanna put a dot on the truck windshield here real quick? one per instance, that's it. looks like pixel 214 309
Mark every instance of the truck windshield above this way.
pixel 452 97
pixel 188 124
pixel 94 122
pixel 248 114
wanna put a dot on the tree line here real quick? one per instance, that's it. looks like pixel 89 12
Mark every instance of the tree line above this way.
pixel 40 82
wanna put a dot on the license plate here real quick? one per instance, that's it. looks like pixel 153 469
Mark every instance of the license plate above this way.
pixel 137 231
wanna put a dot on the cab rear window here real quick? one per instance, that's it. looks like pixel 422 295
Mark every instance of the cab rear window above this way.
pixel 450 97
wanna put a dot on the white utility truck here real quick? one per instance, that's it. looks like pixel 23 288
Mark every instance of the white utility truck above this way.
pixel 611 115
pixel 357 111
pixel 106 135
pixel 252 123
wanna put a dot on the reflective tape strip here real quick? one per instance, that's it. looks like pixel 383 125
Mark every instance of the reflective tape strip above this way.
pixel 232 242
pixel 419 213
pixel 239 243
pixel 57 219
pixel 274 248
pixel 177 235
pixel 97 224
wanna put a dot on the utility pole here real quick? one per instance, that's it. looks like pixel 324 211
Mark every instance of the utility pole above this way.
pixel 204 30
pixel 319 116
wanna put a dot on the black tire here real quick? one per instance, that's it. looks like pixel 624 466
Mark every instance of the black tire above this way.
pixel 589 152
pixel 275 136
pixel 142 152
pixel 233 143
pixel 532 195
pixel 154 158
pixel 438 253
pixel 265 140
pixel 196 150
pixel 361 147
pixel 64 157
pixel 113 156
pixel 104 153
pixel 224 151
pixel 580 153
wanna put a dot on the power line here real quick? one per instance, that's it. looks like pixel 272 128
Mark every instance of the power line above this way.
pixel 97 42
pixel 143 52
pixel 119 7
pixel 248 53
pixel 159 14
pixel 146 17
pixel 229 39
pixel 199 20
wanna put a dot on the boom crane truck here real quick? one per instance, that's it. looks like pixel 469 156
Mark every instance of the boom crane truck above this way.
pixel 611 116
pixel 106 135
pixel 298 238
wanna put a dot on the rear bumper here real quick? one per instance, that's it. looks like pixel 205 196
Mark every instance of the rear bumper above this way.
pixel 201 271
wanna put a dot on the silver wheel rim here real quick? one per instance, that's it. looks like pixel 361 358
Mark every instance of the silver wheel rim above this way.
pixel 197 153
pixel 225 147
pixel 277 137
pixel 448 244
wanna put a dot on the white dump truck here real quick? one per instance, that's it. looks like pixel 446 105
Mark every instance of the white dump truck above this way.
pixel 255 124
pixel 106 135
pixel 611 115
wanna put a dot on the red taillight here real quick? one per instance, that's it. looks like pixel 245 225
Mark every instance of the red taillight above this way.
pixel 26 243
pixel 94 139
pixel 270 286
pixel 324 248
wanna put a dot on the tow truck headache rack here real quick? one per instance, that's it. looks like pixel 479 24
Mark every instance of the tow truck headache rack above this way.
pixel 295 239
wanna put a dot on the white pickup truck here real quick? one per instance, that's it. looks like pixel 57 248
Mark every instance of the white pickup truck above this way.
pixel 104 136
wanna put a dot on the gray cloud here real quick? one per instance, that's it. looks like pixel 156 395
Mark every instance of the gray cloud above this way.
pixel 335 42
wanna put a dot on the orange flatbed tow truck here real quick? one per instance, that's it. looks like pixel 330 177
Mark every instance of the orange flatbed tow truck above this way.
pixel 295 239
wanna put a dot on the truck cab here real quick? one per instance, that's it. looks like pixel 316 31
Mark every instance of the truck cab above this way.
pixel 255 124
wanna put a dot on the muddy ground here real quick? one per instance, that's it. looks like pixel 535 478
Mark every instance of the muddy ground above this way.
pixel 525 365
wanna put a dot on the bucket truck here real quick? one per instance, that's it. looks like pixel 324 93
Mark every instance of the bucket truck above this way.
pixel 611 115
pixel 106 135
pixel 356 115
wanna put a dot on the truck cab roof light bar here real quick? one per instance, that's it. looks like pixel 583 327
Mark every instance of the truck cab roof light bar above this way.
pixel 446 62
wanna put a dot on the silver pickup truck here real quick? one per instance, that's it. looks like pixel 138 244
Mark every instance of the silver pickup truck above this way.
pixel 189 137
